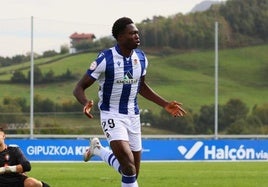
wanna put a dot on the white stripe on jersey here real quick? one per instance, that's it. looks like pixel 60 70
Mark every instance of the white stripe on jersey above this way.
pixel 118 78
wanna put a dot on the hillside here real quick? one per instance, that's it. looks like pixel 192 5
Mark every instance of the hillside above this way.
pixel 187 77
pixel 203 6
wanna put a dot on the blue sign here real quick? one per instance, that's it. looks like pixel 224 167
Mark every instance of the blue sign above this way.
pixel 205 150
pixel 153 149
pixel 52 149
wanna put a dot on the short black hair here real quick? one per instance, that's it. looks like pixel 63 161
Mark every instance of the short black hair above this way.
pixel 120 25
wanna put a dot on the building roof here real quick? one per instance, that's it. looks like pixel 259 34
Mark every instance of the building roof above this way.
pixel 82 36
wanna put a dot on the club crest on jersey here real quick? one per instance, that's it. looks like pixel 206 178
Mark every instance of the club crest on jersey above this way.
pixel 7 157
pixel 135 61
pixel 93 65
pixel 128 79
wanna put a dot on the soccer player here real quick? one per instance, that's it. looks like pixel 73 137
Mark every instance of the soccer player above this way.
pixel 120 72
pixel 13 166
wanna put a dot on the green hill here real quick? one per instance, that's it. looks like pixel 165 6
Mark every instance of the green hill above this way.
pixel 186 77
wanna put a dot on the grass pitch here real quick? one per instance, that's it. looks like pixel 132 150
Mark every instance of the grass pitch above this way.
pixel 156 174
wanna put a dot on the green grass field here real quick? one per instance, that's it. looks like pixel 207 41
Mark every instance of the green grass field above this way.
pixel 156 174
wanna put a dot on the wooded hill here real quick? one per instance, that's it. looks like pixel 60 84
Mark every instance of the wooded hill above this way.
pixel 241 23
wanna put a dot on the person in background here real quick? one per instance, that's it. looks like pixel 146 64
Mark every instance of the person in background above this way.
pixel 13 166
pixel 120 72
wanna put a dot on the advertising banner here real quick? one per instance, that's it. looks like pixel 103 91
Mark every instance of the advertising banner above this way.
pixel 153 149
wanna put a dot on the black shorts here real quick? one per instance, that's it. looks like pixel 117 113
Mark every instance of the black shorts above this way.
pixel 17 181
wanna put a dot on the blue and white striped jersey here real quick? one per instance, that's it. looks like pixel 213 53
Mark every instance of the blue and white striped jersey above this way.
pixel 119 79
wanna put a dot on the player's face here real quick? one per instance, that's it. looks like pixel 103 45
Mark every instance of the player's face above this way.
pixel 130 37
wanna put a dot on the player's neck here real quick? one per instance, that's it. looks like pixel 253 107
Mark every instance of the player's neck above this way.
pixel 124 51
pixel 127 53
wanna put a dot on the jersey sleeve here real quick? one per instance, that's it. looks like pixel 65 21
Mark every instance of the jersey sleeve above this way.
pixel 143 61
pixel 146 65
pixel 22 160
pixel 97 67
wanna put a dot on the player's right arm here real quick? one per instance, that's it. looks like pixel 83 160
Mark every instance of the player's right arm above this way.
pixel 79 93
pixel 92 74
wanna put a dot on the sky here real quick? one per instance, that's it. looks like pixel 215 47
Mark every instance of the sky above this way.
pixel 53 21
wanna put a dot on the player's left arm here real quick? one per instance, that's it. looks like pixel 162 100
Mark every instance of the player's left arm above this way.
pixel 23 164
pixel 173 107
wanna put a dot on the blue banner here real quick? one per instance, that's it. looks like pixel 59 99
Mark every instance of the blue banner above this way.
pixel 153 149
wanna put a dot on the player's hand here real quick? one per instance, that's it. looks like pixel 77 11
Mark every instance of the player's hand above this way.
pixel 10 169
pixel 7 169
pixel 175 109
pixel 2 170
pixel 87 109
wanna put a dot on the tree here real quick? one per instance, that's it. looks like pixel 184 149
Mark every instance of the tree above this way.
pixel 11 112
pixel 18 77
pixel 205 121
pixel 184 125
pixel 38 76
pixel 19 58
pixel 64 49
pixel 247 17
pixel 43 105
pixel 50 53
pixel 261 112
pixel 49 76
pixel 106 42
pixel 84 45
pixel 234 110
